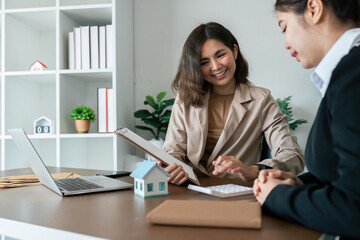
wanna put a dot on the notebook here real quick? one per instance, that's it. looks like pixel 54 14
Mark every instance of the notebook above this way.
pixel 88 184
pixel 229 214
pixel 155 152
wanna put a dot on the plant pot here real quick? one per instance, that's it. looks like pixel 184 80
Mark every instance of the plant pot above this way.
pixel 82 126
pixel 158 143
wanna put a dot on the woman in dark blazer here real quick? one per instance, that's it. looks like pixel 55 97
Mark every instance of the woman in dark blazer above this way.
pixel 324 34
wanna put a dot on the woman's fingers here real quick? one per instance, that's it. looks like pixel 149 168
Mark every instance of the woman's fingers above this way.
pixel 256 188
pixel 181 178
pixel 178 175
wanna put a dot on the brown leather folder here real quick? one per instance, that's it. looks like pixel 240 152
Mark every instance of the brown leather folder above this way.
pixel 230 214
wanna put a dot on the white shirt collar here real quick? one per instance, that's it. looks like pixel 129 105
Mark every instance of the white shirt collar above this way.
pixel 322 73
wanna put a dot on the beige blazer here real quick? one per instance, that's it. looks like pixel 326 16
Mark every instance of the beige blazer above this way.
pixel 253 114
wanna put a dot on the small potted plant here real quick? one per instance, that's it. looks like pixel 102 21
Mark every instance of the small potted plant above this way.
pixel 83 115
pixel 157 120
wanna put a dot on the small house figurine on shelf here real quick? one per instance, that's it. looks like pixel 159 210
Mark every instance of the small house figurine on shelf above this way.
pixel 37 66
pixel 150 180
pixel 44 125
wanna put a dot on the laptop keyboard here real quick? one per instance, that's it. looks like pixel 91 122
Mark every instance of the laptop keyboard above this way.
pixel 75 184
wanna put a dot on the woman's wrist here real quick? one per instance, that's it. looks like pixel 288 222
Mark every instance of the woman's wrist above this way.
pixel 254 170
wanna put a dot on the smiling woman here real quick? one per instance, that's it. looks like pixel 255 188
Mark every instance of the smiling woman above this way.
pixel 218 116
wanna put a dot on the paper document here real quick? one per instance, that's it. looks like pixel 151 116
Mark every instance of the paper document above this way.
pixel 155 152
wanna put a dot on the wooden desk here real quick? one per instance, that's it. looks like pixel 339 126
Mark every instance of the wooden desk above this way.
pixel 122 215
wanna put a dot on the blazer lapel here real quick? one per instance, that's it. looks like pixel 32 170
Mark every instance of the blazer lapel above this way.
pixel 236 114
pixel 202 120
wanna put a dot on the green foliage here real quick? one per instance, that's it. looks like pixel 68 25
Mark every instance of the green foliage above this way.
pixel 285 109
pixel 82 112
pixel 159 118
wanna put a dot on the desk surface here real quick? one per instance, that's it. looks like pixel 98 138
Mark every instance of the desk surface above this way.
pixel 122 215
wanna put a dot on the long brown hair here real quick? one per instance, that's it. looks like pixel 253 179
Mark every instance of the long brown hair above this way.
pixel 188 81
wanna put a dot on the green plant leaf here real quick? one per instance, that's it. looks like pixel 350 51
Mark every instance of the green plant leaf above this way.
pixel 166 116
pixel 142 114
pixel 169 102
pixel 158 111
pixel 161 105
pixel 296 123
pixel 164 125
pixel 151 101
pixel 161 109
pixel 159 118
pixel 83 112
pixel 160 96
pixel 152 122
pixel 286 109
pixel 163 130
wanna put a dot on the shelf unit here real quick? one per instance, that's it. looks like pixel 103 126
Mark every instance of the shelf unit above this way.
pixel 38 30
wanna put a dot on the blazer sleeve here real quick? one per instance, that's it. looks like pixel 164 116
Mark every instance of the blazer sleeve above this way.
pixel 176 137
pixel 285 151
pixel 331 206
pixel 308 178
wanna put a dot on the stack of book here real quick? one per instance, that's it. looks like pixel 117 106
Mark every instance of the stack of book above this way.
pixel 106 110
pixel 91 47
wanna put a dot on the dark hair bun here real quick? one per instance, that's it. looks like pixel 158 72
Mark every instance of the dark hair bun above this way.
pixel 345 10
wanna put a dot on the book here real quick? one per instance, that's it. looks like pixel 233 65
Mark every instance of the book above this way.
pixel 85 47
pixel 228 214
pixel 102 110
pixel 155 152
pixel 111 111
pixel 94 47
pixel 109 46
pixel 106 110
pixel 71 50
pixel 77 37
pixel 102 47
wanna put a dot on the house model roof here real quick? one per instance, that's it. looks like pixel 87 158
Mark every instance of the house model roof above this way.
pixel 42 119
pixel 145 168
pixel 37 61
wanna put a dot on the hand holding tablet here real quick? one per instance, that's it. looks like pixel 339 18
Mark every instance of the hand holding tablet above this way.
pixel 155 152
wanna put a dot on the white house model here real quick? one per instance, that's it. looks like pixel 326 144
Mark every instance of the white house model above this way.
pixel 44 125
pixel 150 180
pixel 37 66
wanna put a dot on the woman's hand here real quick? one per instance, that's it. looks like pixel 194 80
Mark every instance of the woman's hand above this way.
pixel 268 179
pixel 278 174
pixel 235 167
pixel 262 189
pixel 178 175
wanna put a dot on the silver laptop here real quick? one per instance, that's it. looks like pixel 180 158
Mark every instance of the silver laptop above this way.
pixel 63 187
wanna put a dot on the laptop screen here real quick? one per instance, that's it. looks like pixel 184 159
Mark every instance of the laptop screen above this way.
pixel 33 159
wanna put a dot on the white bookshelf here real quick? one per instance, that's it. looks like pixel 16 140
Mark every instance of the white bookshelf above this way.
pixel 38 30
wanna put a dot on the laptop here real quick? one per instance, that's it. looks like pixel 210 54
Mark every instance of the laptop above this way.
pixel 67 186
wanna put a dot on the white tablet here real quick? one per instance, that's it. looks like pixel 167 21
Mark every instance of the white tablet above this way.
pixel 155 152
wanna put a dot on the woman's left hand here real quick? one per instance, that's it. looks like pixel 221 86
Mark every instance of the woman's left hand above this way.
pixel 235 167
pixel 262 189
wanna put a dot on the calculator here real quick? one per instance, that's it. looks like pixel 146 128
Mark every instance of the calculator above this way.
pixel 223 191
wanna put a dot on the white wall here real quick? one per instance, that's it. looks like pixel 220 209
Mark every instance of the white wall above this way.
pixel 162 26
